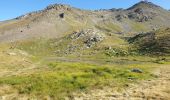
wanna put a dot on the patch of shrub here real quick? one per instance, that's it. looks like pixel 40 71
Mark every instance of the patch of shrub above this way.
pixel 117 52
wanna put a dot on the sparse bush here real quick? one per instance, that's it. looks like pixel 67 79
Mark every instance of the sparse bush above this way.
pixel 117 52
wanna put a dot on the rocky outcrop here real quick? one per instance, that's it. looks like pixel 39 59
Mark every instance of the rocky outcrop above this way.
pixel 141 15
pixel 120 17
pixel 90 36
pixel 58 7
pixel 93 39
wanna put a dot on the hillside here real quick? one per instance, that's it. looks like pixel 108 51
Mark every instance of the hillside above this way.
pixel 49 22
pixel 66 53
pixel 155 42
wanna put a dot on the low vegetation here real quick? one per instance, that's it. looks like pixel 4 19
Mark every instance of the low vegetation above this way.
pixel 62 79
pixel 50 68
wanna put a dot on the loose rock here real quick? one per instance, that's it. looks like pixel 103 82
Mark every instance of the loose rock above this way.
pixel 136 70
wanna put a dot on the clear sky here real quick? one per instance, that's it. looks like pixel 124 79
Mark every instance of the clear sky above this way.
pixel 13 8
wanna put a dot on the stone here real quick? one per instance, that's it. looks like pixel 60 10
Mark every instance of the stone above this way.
pixel 12 54
pixel 61 15
pixel 136 70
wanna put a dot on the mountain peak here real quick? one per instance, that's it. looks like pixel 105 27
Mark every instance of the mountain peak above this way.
pixel 144 4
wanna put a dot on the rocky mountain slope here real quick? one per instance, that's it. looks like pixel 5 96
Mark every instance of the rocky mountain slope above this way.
pixel 58 20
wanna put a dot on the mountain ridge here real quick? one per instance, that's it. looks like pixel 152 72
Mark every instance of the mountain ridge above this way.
pixel 52 6
pixel 49 22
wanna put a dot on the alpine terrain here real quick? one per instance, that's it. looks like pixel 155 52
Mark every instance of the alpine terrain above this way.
pixel 66 53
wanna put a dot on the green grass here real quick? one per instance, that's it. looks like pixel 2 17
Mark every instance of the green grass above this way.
pixel 61 47
pixel 63 78
pixel 92 70
pixel 58 79
pixel 36 47
pixel 137 26
pixel 109 27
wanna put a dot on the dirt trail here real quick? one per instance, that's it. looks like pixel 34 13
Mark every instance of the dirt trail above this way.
pixel 157 89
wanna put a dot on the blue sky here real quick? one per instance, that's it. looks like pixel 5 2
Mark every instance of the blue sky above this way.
pixel 13 8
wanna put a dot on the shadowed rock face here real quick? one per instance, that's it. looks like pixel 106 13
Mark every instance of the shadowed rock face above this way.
pixel 155 42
